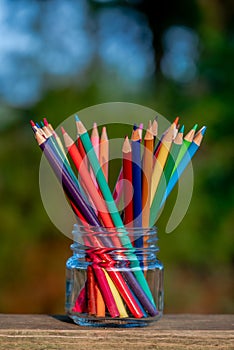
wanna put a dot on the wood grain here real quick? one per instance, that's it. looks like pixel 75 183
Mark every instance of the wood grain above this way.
pixel 171 332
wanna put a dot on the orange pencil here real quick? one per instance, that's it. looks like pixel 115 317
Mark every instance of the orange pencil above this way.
pixel 147 168
pixel 98 201
pixel 100 304
pixel 157 148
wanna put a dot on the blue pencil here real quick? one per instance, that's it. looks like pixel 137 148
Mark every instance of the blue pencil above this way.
pixel 136 183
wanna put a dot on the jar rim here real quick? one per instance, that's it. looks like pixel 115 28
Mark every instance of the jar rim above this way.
pixel 115 238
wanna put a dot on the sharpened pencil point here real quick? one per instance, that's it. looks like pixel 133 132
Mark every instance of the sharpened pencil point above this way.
pixel 181 129
pixel 45 122
pixel 126 145
pixel 77 118
pixel 32 123
pixel 63 130
pixel 176 120
pixel 203 130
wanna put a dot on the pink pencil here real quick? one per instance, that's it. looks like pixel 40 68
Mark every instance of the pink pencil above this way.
pixel 95 139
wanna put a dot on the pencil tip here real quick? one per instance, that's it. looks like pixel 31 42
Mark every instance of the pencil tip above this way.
pixel 45 122
pixel 176 120
pixel 182 129
pixel 195 127
pixel 203 130
pixel 32 123
pixel 126 148
pixel 77 118
pixel 63 130
pixel 42 124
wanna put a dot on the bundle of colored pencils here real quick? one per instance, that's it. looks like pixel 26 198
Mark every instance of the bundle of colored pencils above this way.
pixel 149 178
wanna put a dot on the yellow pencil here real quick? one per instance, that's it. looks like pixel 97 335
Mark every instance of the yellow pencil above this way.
pixel 161 159
pixel 117 297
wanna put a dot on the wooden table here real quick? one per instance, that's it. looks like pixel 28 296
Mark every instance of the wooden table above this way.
pixel 172 332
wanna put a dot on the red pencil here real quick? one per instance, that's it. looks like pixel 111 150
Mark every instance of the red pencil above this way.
pixel 98 201
pixel 127 182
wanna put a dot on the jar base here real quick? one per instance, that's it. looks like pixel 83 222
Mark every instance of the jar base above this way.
pixel 87 320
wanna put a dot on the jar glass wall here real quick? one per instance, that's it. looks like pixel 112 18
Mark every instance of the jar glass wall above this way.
pixel 114 277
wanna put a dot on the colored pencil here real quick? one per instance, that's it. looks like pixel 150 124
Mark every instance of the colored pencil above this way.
pixel 59 142
pixel 140 130
pixel 154 130
pixel 100 302
pixel 127 182
pixel 147 168
pixel 158 145
pixel 104 152
pixel 71 190
pixel 118 189
pixel 161 160
pixel 175 148
pixel 136 180
pixel 188 138
pixel 192 149
pixel 95 142
pixel 91 291
pixel 98 201
pixel 121 308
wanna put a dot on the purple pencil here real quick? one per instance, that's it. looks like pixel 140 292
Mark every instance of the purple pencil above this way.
pixel 69 187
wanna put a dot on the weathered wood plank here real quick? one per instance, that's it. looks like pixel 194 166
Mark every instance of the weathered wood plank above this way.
pixel 171 332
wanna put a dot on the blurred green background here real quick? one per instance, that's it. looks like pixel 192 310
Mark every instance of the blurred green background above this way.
pixel 58 57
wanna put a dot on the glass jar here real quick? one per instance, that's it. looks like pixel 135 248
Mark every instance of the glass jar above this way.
pixel 113 281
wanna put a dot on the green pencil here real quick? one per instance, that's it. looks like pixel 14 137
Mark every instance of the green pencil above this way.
pixel 188 138
pixel 172 157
